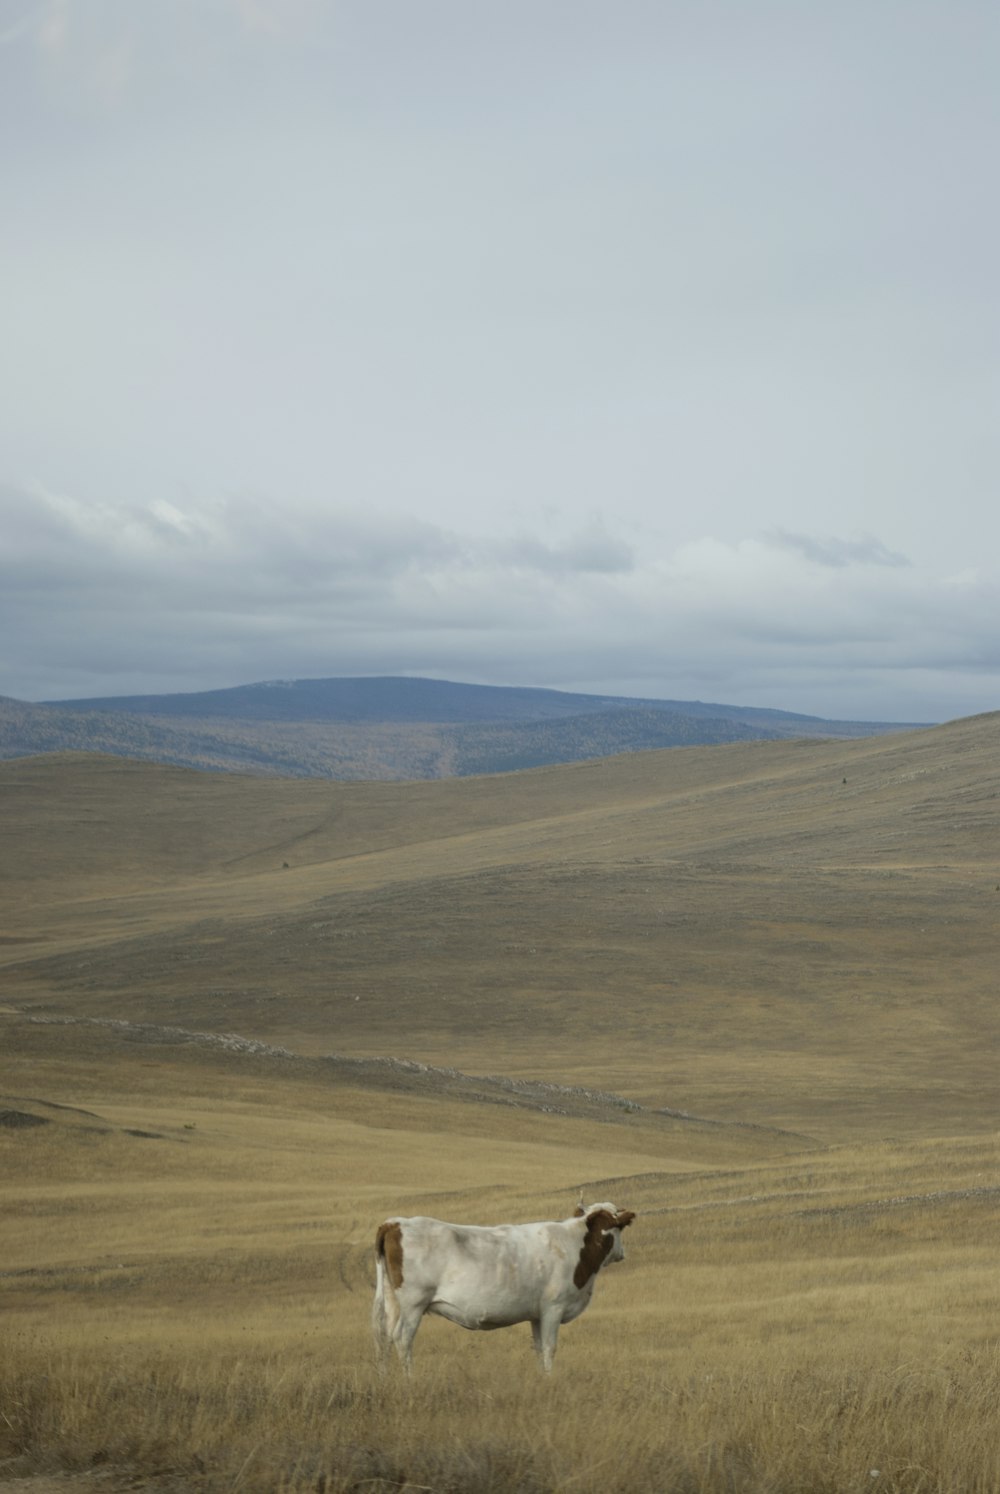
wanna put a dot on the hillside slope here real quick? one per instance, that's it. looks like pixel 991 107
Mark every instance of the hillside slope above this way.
pixel 799 935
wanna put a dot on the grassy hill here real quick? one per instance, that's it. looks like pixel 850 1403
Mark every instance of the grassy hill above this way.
pixel 734 910
pixel 386 728
pixel 747 990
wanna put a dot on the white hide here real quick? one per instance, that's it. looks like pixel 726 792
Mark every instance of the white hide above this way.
pixel 485 1277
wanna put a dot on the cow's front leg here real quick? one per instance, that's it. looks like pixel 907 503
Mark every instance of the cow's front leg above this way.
pixel 544 1334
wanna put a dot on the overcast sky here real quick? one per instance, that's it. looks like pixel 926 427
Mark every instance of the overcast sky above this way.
pixel 647 347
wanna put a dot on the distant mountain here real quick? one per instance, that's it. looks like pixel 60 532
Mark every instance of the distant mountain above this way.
pixel 382 698
pixel 388 727
pixel 399 698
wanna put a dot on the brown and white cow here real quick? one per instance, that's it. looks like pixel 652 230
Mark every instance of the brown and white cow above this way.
pixel 491 1276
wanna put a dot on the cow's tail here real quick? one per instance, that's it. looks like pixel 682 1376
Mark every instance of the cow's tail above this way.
pixel 385 1305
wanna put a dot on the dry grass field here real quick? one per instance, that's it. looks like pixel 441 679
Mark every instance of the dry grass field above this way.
pixel 749 992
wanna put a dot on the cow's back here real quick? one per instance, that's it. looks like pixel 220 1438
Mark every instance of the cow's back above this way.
pixel 479 1276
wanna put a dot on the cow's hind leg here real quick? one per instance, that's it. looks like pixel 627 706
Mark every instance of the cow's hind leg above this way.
pixel 385 1316
pixel 380 1332
pixel 405 1332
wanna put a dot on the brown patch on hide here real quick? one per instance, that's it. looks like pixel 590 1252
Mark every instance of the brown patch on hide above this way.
pixel 389 1245
pixel 596 1245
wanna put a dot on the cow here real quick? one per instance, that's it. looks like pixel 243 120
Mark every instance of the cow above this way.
pixel 490 1276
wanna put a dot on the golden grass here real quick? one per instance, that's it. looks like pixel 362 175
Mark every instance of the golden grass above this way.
pixel 734 932
pixel 809 1301
pixel 288 1417
pixel 197 1305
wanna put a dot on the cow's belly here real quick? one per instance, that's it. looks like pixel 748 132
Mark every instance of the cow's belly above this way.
pixel 484 1315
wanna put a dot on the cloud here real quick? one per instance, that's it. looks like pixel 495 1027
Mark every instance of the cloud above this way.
pixel 88 54
pixel 273 17
pixel 838 552
pixel 123 598
pixel 590 550
pixel 512 342
pixel 15 30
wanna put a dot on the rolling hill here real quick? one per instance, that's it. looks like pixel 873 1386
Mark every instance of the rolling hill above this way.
pixel 752 914
pixel 746 990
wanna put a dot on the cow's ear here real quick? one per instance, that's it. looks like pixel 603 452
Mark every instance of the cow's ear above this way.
pixel 624 1218
pixel 579 1212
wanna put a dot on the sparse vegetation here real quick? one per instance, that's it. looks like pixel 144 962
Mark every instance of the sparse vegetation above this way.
pixel 721 988
pixel 280 1420
pixel 200 1305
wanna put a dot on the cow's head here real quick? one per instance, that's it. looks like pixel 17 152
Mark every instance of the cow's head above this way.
pixel 602 1241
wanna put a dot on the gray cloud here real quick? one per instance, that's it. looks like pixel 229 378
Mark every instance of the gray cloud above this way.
pixel 129 598
pixel 652 353
pixel 839 552
pixel 592 550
